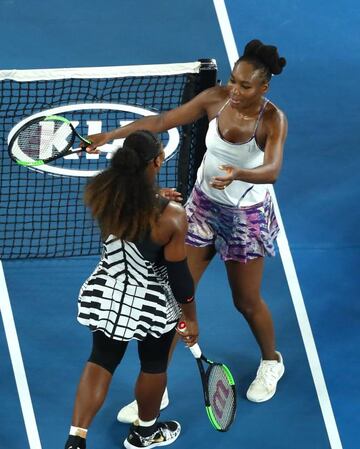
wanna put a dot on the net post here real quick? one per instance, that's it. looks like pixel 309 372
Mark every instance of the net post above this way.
pixel 208 78
pixel 193 147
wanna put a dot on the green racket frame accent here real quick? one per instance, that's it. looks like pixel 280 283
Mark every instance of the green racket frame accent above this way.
pixel 59 118
pixel 42 161
pixel 228 375
pixel 212 418
pixel 31 164
pixel 208 408
pixel 67 122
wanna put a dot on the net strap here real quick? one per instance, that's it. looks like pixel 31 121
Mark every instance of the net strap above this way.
pixel 101 72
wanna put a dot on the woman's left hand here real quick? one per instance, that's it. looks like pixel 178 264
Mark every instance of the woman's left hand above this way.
pixel 220 182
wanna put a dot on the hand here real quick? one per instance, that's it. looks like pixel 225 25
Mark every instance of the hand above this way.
pixel 190 333
pixel 97 140
pixel 220 182
pixel 171 194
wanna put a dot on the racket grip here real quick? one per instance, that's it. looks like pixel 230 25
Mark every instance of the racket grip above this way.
pixel 195 349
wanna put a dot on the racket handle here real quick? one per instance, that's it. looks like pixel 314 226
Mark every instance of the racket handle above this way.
pixel 195 349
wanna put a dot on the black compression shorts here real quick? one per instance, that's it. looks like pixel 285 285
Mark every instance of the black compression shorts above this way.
pixel 153 352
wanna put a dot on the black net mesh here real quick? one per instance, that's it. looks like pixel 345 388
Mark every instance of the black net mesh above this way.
pixel 41 210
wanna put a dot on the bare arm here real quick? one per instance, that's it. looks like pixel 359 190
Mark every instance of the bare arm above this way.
pixel 175 217
pixel 175 251
pixel 185 114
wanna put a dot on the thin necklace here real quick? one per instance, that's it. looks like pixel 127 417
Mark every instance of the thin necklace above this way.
pixel 248 117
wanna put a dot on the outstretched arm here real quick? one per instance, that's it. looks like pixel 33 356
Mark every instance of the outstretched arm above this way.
pixel 185 114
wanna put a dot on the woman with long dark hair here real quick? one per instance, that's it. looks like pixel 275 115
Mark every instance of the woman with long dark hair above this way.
pixel 138 290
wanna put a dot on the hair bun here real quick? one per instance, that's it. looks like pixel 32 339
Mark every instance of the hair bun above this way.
pixel 126 161
pixel 268 55
pixel 252 47
pixel 139 148
pixel 282 62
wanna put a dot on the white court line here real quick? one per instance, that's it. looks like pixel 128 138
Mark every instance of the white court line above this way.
pixel 289 268
pixel 18 365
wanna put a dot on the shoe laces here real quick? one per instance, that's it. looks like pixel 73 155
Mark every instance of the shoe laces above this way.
pixel 165 432
pixel 157 437
pixel 267 374
pixel 162 433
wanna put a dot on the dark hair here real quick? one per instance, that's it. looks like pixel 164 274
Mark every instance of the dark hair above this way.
pixel 122 198
pixel 264 58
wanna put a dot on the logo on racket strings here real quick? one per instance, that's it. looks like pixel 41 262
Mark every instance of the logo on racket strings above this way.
pixel 219 398
pixel 95 118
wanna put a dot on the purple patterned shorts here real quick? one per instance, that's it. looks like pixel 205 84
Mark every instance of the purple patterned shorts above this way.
pixel 238 234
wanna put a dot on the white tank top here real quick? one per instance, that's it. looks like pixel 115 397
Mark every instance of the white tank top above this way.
pixel 221 152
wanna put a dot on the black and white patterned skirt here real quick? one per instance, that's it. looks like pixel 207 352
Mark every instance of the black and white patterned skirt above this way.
pixel 127 297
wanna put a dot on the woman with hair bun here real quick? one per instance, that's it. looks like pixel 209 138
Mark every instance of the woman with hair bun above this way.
pixel 138 291
pixel 230 211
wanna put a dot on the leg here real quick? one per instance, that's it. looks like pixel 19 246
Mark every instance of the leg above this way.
pixel 199 259
pixel 151 383
pixel 149 391
pixel 92 390
pixel 94 384
pixel 245 282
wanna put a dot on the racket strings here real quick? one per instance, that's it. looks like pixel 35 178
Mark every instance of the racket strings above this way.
pixel 221 395
pixel 43 140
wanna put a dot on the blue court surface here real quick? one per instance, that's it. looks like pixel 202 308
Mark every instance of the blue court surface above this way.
pixel 311 287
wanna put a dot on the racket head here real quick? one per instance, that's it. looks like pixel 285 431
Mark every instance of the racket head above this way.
pixel 221 396
pixel 42 140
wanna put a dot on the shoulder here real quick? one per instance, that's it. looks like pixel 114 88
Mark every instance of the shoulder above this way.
pixel 274 117
pixel 216 92
pixel 175 215
pixel 214 95
pixel 171 223
pixel 213 99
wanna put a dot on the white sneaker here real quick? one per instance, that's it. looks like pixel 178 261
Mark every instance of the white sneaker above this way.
pixel 130 412
pixel 268 374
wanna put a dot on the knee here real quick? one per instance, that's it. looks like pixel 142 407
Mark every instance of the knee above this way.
pixel 247 305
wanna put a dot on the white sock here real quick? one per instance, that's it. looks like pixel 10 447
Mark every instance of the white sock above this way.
pixel 147 423
pixel 166 394
pixel 78 432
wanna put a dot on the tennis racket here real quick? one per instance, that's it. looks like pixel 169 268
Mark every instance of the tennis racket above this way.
pixel 218 388
pixel 43 140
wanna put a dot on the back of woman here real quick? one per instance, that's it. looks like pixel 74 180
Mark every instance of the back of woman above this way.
pixel 137 291
pixel 128 295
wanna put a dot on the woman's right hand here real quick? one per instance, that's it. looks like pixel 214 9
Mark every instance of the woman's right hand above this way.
pixel 190 333
pixel 171 194
pixel 97 140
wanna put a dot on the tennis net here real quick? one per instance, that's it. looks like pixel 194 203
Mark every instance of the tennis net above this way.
pixel 41 210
